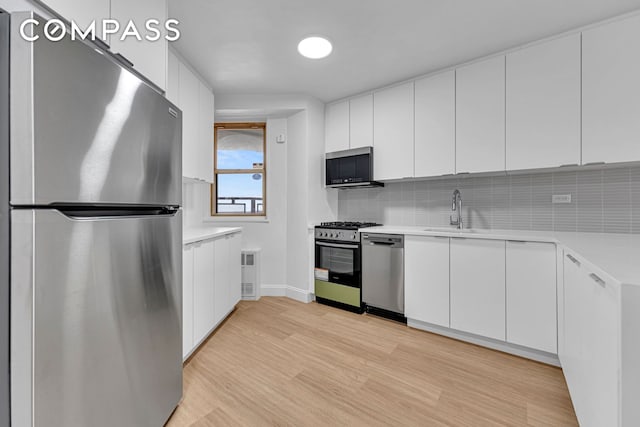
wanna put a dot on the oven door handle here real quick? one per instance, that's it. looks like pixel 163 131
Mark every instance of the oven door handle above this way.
pixel 337 245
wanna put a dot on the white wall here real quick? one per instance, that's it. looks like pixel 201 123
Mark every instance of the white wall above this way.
pixel 297 197
pixel 295 170
pixel 269 235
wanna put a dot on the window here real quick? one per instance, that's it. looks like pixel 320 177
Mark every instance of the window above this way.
pixel 240 170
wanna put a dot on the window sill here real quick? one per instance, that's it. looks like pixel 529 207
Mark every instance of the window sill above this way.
pixel 236 219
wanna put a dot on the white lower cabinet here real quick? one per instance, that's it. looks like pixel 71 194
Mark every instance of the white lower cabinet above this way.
pixel 221 281
pixel 478 287
pixel 591 356
pixel 187 299
pixel 211 286
pixel 531 295
pixel 204 317
pixel 426 269
pixel 235 268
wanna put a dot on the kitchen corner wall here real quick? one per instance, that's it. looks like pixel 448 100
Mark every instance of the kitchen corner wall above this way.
pixel 603 200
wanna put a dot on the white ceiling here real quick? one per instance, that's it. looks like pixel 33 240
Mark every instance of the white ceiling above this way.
pixel 249 46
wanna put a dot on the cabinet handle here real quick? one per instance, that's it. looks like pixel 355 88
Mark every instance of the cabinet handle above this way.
pixel 439 237
pixel 566 165
pixel 597 279
pixel 573 260
pixel 517 241
pixel 594 163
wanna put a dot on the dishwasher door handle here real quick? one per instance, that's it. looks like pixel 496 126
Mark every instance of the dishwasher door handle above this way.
pixel 382 243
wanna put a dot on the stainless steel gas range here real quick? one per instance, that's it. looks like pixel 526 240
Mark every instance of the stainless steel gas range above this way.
pixel 338 264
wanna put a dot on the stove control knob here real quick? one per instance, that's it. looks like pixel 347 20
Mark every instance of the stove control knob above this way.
pixel 353 237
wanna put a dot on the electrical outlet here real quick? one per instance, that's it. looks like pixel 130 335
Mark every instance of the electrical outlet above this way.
pixel 561 198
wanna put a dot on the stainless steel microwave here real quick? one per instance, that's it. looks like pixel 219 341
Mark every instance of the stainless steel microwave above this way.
pixel 350 168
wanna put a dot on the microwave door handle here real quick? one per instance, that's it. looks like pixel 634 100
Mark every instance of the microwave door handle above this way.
pixel 337 245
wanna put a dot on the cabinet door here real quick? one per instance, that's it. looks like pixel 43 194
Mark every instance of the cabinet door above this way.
pixel 435 125
pixel 205 133
pixel 336 127
pixel 148 57
pixel 426 269
pixel 591 359
pixel 187 300
pixel 221 269
pixel 531 295
pixel 393 132
pixel 83 13
pixel 605 344
pixel 173 79
pixel 235 269
pixel 480 116
pixel 189 103
pixel 543 105
pixel 478 287
pixel 203 290
pixel 361 121
pixel 611 92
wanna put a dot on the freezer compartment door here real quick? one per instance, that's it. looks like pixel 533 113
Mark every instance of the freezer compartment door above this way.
pixel 96 319
pixel 86 130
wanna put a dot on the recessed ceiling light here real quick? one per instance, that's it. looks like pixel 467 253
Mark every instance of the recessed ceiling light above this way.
pixel 315 47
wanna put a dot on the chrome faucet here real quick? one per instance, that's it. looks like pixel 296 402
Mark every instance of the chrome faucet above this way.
pixel 456 206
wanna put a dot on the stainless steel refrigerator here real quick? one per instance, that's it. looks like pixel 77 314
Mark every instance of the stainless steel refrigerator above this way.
pixel 94 259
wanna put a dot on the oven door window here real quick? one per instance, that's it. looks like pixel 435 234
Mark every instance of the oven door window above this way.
pixel 343 264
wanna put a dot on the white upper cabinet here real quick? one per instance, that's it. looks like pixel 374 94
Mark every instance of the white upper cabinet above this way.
pixel 393 132
pixel 173 79
pixel 361 121
pixel 426 269
pixel 435 125
pixel 336 127
pixel 611 92
pixel 205 132
pixel 83 12
pixel 531 295
pixel 197 104
pixel 148 57
pixel 478 287
pixel 480 116
pixel 543 105
pixel 189 103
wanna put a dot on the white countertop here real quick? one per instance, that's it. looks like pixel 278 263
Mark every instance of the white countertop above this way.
pixel 191 235
pixel 617 255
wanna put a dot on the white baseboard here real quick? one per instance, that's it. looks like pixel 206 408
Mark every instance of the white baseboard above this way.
pixel 299 295
pixel 528 353
pixel 273 290
pixel 286 291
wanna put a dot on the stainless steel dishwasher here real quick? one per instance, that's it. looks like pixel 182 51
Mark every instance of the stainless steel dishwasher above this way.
pixel 383 274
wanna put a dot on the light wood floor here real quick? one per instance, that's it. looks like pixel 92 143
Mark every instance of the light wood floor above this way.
pixel 281 362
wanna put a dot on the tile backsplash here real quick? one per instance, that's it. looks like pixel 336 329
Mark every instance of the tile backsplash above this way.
pixel 602 200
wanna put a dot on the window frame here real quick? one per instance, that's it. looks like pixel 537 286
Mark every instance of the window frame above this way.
pixel 216 171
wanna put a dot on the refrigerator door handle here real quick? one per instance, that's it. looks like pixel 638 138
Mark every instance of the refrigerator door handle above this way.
pixel 98 212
